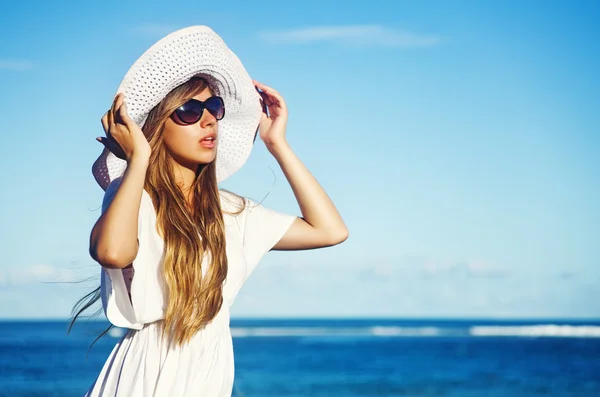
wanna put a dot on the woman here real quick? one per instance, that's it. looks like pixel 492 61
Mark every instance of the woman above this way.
pixel 174 249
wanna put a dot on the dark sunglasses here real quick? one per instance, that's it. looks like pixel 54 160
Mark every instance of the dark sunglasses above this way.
pixel 191 111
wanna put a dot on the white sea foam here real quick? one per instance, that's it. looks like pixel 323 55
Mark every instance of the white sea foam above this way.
pixel 384 331
pixel 405 331
pixel 542 330
pixel 539 330
pixel 279 331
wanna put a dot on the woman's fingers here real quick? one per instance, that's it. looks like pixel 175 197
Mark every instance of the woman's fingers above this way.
pixel 263 106
pixel 270 95
pixel 265 87
pixel 109 121
pixel 112 130
pixel 115 103
pixel 118 107
pixel 266 98
pixel 275 97
pixel 114 115
pixel 104 121
pixel 111 114
pixel 124 116
pixel 124 138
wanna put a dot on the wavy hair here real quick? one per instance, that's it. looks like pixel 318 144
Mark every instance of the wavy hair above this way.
pixel 194 236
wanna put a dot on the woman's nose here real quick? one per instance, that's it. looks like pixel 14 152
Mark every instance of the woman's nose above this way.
pixel 207 119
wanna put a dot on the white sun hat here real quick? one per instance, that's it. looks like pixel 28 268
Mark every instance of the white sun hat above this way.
pixel 173 60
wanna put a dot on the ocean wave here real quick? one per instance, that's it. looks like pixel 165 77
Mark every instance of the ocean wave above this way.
pixel 542 330
pixel 539 330
pixel 380 331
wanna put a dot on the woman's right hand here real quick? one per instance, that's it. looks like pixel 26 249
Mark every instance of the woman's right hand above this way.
pixel 124 138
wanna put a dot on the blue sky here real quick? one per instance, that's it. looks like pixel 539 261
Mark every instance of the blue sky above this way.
pixel 459 140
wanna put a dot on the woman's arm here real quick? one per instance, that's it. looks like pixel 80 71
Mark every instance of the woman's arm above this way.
pixel 321 224
pixel 113 242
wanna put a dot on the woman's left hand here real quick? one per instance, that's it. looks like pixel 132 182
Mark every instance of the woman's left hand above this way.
pixel 272 127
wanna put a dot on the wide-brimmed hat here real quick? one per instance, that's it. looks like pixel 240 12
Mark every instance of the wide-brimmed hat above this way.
pixel 173 60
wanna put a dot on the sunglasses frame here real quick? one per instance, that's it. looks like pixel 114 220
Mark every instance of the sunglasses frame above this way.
pixel 179 120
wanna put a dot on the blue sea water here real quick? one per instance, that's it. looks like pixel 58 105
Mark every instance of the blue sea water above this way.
pixel 338 358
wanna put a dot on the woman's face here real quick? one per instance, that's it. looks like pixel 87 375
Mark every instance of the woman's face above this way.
pixel 186 142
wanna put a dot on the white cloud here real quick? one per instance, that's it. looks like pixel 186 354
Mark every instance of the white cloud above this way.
pixel 415 267
pixel 15 65
pixel 468 268
pixel 39 273
pixel 411 286
pixel 354 35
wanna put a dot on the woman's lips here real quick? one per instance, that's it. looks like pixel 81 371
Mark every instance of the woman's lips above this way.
pixel 208 142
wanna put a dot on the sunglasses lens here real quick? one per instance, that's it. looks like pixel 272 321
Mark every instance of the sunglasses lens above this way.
pixel 190 112
pixel 216 107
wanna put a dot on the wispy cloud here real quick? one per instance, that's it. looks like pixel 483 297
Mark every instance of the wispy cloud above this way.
pixel 353 35
pixel 15 65
pixel 154 30
pixel 468 268
pixel 426 268
pixel 39 273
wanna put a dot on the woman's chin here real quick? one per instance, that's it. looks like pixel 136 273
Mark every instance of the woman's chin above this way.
pixel 207 159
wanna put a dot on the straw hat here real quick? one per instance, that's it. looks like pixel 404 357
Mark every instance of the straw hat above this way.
pixel 173 60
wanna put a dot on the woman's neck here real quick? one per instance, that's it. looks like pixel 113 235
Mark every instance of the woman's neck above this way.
pixel 185 178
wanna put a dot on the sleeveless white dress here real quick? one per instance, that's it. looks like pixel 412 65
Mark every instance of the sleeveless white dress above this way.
pixel 140 363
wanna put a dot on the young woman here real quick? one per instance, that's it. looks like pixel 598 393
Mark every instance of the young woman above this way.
pixel 174 248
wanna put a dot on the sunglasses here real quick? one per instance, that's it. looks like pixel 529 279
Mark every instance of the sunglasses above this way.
pixel 191 111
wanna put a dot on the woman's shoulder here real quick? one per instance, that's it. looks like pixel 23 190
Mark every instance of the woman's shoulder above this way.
pixel 231 203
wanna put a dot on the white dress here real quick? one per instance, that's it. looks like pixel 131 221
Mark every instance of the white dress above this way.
pixel 141 364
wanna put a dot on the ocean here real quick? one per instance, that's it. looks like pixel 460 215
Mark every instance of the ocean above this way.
pixel 338 358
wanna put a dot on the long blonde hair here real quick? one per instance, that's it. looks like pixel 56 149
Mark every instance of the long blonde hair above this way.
pixel 189 233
